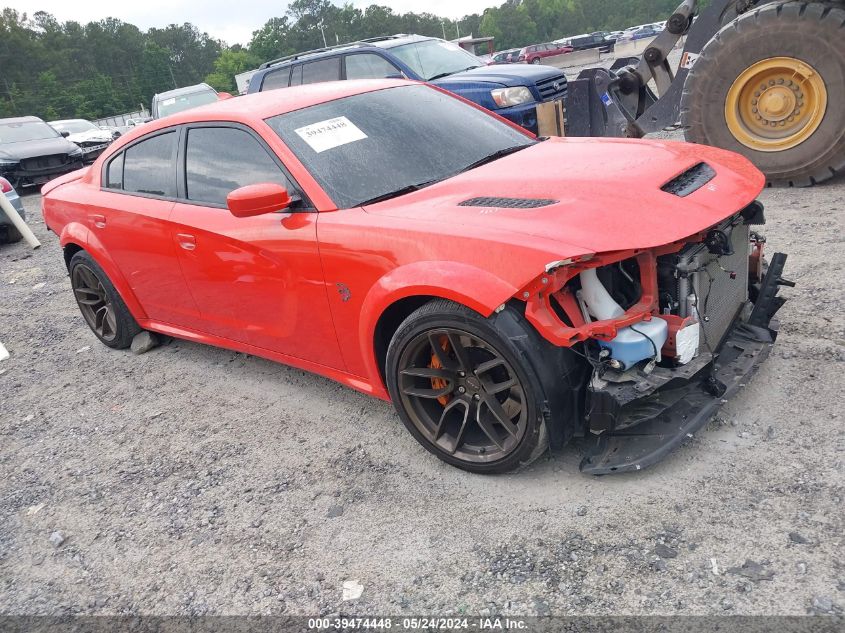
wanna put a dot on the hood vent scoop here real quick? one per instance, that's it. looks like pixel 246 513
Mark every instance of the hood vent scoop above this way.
pixel 690 181
pixel 508 203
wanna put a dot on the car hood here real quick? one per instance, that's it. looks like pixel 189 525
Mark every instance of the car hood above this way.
pixel 89 136
pixel 505 75
pixel 32 149
pixel 606 195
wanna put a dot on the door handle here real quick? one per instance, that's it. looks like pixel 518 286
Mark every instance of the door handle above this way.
pixel 99 221
pixel 186 241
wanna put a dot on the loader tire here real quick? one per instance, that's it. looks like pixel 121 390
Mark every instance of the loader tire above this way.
pixel 777 42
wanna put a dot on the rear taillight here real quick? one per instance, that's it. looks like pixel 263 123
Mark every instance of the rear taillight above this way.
pixel 5 185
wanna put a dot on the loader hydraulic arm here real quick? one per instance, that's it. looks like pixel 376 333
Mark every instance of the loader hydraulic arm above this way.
pixel 637 96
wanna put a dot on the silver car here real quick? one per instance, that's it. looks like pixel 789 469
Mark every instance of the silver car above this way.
pixel 8 233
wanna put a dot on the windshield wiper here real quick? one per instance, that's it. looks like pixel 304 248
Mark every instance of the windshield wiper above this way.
pixel 451 72
pixel 398 192
pixel 494 156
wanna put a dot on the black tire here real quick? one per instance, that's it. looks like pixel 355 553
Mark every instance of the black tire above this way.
pixel 439 315
pixel 125 327
pixel 536 61
pixel 812 32
pixel 9 234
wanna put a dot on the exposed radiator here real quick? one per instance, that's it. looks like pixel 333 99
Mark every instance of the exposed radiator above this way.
pixel 721 284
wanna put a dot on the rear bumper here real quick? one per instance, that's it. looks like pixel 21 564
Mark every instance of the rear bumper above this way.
pixel 641 422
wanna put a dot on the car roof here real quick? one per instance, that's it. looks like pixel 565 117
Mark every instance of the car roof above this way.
pixel 203 87
pixel 262 105
pixel 22 119
pixel 401 39
pixel 385 42
pixel 70 121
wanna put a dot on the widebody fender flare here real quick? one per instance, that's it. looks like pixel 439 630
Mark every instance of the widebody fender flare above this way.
pixel 472 287
pixel 80 235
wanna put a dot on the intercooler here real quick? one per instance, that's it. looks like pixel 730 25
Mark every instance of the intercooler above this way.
pixel 719 284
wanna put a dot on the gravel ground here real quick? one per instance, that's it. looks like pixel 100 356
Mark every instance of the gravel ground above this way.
pixel 194 480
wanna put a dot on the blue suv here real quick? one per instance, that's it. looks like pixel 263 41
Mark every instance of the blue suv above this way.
pixel 512 91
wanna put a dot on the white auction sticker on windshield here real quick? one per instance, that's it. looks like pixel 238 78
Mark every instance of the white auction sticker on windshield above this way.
pixel 330 134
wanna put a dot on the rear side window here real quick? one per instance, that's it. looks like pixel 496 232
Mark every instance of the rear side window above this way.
pixel 369 66
pixel 276 79
pixel 220 159
pixel 148 166
pixel 114 174
pixel 321 70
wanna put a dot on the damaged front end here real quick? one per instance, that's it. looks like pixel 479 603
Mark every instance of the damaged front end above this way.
pixel 670 333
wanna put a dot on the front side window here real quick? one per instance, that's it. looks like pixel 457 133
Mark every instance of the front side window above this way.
pixel 432 59
pixel 148 166
pixel 276 79
pixel 369 66
pixel 219 160
pixel 371 145
pixel 321 70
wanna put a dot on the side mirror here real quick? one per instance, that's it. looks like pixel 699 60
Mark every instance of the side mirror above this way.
pixel 252 200
pixel 65 134
pixel 222 96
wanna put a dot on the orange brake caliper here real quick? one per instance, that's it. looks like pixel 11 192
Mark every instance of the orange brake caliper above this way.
pixel 440 383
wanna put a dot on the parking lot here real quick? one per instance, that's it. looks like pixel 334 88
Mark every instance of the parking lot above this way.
pixel 194 480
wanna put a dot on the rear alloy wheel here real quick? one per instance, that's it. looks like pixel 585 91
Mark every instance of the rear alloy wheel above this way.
pixel 102 307
pixel 770 86
pixel 462 392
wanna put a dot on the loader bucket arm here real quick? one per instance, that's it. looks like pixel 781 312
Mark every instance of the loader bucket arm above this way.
pixel 621 102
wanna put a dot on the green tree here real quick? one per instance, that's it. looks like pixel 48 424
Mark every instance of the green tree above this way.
pixel 230 63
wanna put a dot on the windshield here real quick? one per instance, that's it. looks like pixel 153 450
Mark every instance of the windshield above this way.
pixel 73 127
pixel 173 105
pixel 435 58
pixel 26 131
pixel 370 145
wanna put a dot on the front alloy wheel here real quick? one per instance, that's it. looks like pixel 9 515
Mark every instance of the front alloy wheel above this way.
pixel 463 391
pixel 462 395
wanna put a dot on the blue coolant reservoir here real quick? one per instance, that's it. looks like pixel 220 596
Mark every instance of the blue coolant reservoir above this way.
pixel 633 345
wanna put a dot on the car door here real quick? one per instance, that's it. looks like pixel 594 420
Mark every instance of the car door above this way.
pixel 131 222
pixel 256 280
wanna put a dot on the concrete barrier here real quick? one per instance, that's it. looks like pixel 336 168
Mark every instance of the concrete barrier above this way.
pixel 575 58
pixel 633 48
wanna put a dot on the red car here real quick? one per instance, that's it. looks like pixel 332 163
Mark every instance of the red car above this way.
pixel 505 292
pixel 535 53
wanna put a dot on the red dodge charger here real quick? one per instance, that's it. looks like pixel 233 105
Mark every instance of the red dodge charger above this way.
pixel 506 292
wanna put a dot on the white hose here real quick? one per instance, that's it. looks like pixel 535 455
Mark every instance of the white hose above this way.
pixel 599 302
pixel 17 220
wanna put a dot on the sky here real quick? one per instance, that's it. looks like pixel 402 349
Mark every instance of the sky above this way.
pixel 232 22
